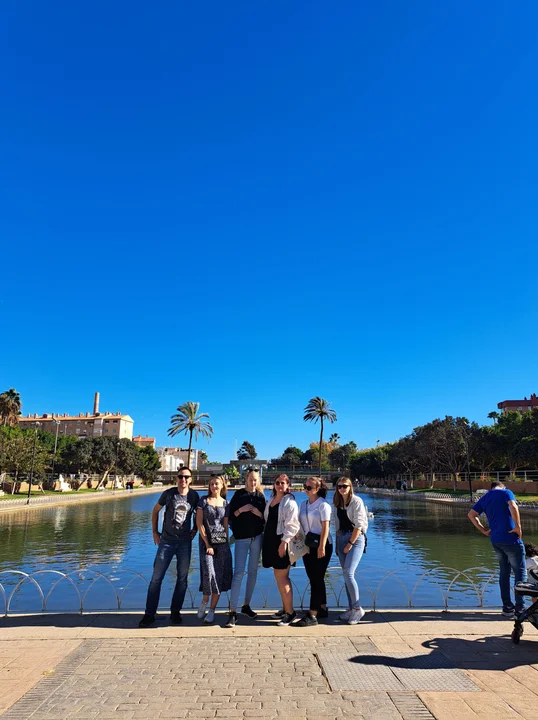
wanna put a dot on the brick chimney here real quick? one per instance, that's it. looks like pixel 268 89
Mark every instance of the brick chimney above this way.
pixel 96 404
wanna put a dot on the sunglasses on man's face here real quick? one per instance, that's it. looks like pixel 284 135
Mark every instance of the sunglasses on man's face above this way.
pixel 343 487
pixel 184 477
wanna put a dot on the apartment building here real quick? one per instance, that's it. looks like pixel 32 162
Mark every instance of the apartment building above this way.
pixel 144 441
pixel 174 458
pixel 87 424
pixel 519 405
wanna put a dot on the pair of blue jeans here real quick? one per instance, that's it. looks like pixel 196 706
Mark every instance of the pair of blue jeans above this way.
pixel 251 548
pixel 181 548
pixel 511 556
pixel 349 564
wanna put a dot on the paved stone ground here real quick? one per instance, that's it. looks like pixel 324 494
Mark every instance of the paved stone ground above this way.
pixel 105 668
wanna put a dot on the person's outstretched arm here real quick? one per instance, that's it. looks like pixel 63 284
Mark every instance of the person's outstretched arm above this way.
pixel 474 517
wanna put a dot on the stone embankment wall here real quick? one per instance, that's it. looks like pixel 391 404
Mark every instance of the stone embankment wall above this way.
pixel 520 487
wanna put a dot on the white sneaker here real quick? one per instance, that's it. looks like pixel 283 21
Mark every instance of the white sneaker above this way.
pixel 345 615
pixel 356 615
pixel 201 610
pixel 209 617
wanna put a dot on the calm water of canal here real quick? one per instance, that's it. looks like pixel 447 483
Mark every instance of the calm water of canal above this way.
pixel 113 537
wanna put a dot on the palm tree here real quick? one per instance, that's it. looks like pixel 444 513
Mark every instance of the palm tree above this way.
pixel 10 407
pixel 319 409
pixel 334 439
pixel 494 416
pixel 187 420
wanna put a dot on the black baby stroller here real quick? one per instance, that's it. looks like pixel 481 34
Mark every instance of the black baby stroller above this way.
pixel 528 589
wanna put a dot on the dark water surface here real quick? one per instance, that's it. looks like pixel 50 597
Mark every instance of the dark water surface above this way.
pixel 113 537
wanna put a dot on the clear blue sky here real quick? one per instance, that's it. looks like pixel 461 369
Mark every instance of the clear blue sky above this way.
pixel 251 203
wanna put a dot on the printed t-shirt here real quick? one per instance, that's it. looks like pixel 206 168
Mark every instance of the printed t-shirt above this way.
pixel 178 513
pixel 495 504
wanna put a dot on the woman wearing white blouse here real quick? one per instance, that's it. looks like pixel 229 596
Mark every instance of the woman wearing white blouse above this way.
pixel 315 519
pixel 351 524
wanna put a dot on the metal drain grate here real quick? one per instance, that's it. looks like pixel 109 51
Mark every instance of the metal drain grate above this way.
pixel 410 706
pixel 36 696
pixel 344 674
pixel 397 672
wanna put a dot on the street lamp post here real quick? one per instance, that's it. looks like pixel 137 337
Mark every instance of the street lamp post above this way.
pixel 32 465
pixel 55 447
pixel 116 468
pixel 469 469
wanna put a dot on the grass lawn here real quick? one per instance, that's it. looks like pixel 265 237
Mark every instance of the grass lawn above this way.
pixel 38 493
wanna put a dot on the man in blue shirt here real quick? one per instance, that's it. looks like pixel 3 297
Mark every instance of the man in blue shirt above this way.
pixel 504 531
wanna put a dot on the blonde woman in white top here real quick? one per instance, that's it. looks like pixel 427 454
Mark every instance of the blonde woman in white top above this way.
pixel 351 523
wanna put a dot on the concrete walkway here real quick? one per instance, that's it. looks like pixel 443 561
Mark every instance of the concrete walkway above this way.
pixel 412 664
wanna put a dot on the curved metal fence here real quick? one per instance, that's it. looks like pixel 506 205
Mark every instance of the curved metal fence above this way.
pixel 447 588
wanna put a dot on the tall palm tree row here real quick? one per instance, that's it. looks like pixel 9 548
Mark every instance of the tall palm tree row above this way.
pixel 10 407
pixel 188 420
pixel 319 409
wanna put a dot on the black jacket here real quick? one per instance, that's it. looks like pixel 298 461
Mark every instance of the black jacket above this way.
pixel 246 525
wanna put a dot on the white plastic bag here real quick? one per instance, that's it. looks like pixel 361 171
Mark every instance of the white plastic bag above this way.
pixel 297 547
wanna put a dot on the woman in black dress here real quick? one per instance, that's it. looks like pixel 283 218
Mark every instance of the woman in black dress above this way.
pixel 281 525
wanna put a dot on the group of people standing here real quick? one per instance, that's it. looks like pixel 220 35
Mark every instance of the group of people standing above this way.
pixel 266 528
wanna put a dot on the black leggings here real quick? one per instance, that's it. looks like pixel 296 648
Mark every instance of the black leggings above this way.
pixel 315 569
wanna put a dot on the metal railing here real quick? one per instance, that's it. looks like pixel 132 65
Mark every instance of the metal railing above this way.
pixel 83 581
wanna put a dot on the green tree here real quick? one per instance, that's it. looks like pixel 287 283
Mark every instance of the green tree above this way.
pixel 10 407
pixel 291 456
pixel 16 451
pixel 318 410
pixel 247 451
pixel 494 415
pixel 202 457
pixel 231 471
pixel 150 463
pixel 103 456
pixel 403 455
pixel 334 439
pixel 129 460
pixel 187 420
pixel 486 448
pixel 511 428
pixel 341 455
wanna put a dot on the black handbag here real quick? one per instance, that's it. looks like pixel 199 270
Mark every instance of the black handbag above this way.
pixel 312 540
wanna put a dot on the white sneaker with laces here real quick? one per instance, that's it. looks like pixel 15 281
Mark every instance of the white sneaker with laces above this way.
pixel 356 616
pixel 209 617
pixel 345 615
pixel 201 610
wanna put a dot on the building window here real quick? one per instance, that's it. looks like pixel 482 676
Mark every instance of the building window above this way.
pixel 115 421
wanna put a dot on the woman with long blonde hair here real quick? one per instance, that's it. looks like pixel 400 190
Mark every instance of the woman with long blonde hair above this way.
pixel 246 520
pixel 351 523
pixel 215 554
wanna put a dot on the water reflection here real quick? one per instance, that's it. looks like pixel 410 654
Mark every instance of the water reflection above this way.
pixel 114 536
